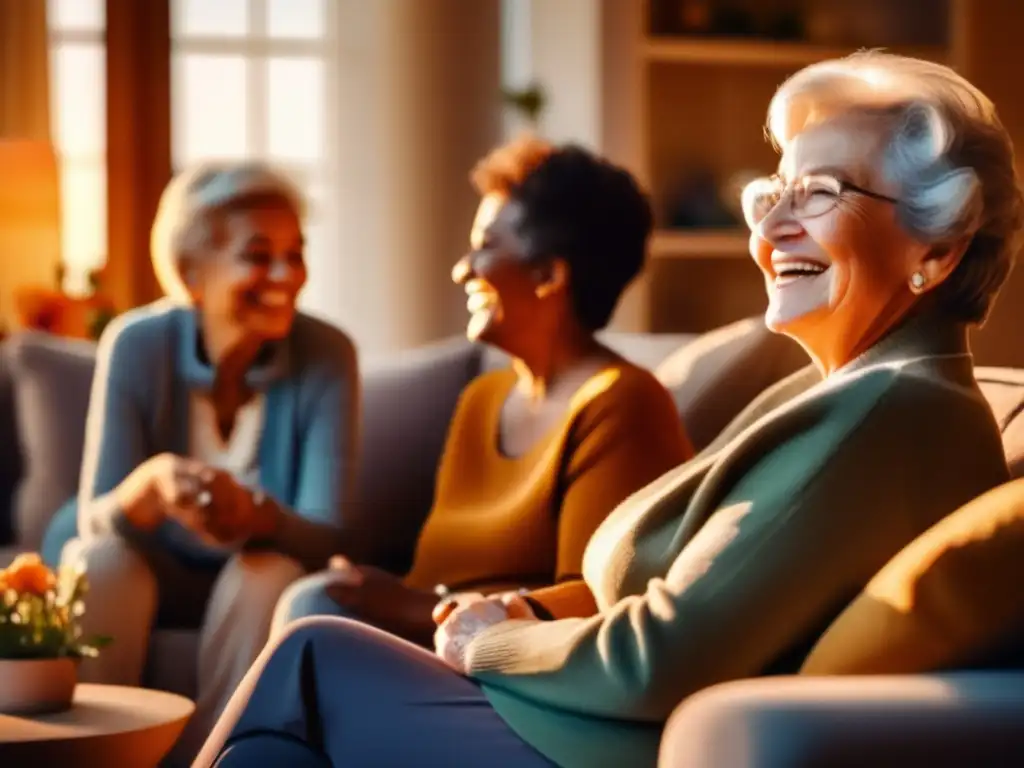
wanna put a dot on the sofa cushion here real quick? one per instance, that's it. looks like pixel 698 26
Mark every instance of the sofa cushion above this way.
pixel 713 378
pixel 951 598
pixel 408 400
pixel 1004 390
pixel 51 380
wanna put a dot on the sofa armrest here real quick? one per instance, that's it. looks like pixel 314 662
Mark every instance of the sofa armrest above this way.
pixel 789 722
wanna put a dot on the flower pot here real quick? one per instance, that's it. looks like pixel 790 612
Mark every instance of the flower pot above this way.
pixel 37 686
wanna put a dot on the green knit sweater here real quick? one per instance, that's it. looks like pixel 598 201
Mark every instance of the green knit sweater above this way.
pixel 735 560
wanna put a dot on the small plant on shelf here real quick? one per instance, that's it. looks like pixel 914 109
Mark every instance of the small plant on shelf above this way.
pixel 528 102
pixel 40 612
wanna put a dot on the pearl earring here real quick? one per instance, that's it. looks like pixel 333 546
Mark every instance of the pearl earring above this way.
pixel 917 281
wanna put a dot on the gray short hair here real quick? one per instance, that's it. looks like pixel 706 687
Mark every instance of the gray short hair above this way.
pixel 184 222
pixel 949 154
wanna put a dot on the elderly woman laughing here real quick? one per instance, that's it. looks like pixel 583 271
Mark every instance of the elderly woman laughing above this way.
pixel 220 437
pixel 886 233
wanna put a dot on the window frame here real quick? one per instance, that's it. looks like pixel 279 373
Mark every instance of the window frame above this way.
pixel 258 48
pixel 76 280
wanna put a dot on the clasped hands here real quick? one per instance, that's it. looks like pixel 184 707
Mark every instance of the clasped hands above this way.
pixel 386 602
pixel 208 501
pixel 464 616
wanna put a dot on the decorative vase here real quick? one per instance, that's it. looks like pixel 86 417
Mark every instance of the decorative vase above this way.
pixel 37 686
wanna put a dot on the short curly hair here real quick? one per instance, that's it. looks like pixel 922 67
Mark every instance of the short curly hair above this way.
pixel 948 151
pixel 579 207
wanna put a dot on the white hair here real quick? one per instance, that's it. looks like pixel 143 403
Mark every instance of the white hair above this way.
pixel 184 222
pixel 948 154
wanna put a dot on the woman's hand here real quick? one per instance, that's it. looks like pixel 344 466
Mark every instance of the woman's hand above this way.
pixel 470 619
pixel 163 486
pixel 233 513
pixel 448 605
pixel 207 501
pixel 382 599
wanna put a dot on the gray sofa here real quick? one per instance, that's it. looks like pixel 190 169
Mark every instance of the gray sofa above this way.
pixel 408 400
pixel 966 719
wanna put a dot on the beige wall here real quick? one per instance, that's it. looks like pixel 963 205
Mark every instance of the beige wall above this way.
pixel 566 60
pixel 418 104
pixel 582 54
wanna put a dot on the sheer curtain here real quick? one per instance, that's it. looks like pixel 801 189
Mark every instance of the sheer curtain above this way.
pixel 24 70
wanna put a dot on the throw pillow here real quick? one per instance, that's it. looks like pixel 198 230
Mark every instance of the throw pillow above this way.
pixel 714 377
pixel 949 598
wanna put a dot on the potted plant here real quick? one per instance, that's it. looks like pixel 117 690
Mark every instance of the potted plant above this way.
pixel 528 102
pixel 41 638
pixel 54 311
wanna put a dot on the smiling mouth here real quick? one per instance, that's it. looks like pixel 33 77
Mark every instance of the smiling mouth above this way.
pixel 271 299
pixel 792 271
pixel 480 297
pixel 480 301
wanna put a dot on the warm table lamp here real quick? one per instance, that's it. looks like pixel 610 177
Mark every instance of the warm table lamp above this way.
pixel 29 221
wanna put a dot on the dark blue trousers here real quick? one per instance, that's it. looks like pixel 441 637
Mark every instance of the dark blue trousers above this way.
pixel 335 692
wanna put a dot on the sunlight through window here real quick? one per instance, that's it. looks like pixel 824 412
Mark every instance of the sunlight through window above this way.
pixel 78 124
pixel 253 79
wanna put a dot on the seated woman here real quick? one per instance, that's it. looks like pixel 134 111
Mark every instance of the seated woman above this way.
pixel 889 228
pixel 537 455
pixel 220 441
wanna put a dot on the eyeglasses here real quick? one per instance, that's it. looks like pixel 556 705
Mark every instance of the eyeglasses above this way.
pixel 810 196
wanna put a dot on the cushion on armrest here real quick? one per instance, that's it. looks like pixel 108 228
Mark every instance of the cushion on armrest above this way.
pixel 947 600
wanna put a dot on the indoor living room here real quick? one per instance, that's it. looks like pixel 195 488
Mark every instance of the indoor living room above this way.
pixel 376 113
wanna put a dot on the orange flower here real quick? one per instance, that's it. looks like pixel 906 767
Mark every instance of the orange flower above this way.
pixel 28 575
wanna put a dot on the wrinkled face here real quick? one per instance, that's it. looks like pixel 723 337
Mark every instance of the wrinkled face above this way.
pixel 251 280
pixel 836 262
pixel 501 284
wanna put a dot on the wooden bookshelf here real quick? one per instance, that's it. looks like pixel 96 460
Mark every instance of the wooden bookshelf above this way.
pixel 759 53
pixel 713 244
pixel 701 102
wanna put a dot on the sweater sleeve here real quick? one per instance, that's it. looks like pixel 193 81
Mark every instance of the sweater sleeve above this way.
pixel 115 436
pixel 309 531
pixel 624 440
pixel 567 599
pixel 762 574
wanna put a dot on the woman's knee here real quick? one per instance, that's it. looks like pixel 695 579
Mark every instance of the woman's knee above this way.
pixel 62 529
pixel 113 567
pixel 331 646
pixel 314 638
pixel 304 598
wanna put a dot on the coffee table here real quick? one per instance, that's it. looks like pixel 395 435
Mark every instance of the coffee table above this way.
pixel 108 725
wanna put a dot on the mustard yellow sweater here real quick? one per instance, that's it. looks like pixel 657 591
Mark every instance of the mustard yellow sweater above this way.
pixel 500 522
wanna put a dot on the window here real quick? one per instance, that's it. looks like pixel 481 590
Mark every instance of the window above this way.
pixel 516 55
pixel 78 122
pixel 254 79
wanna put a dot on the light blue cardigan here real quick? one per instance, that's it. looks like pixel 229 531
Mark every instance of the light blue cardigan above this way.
pixel 149 362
